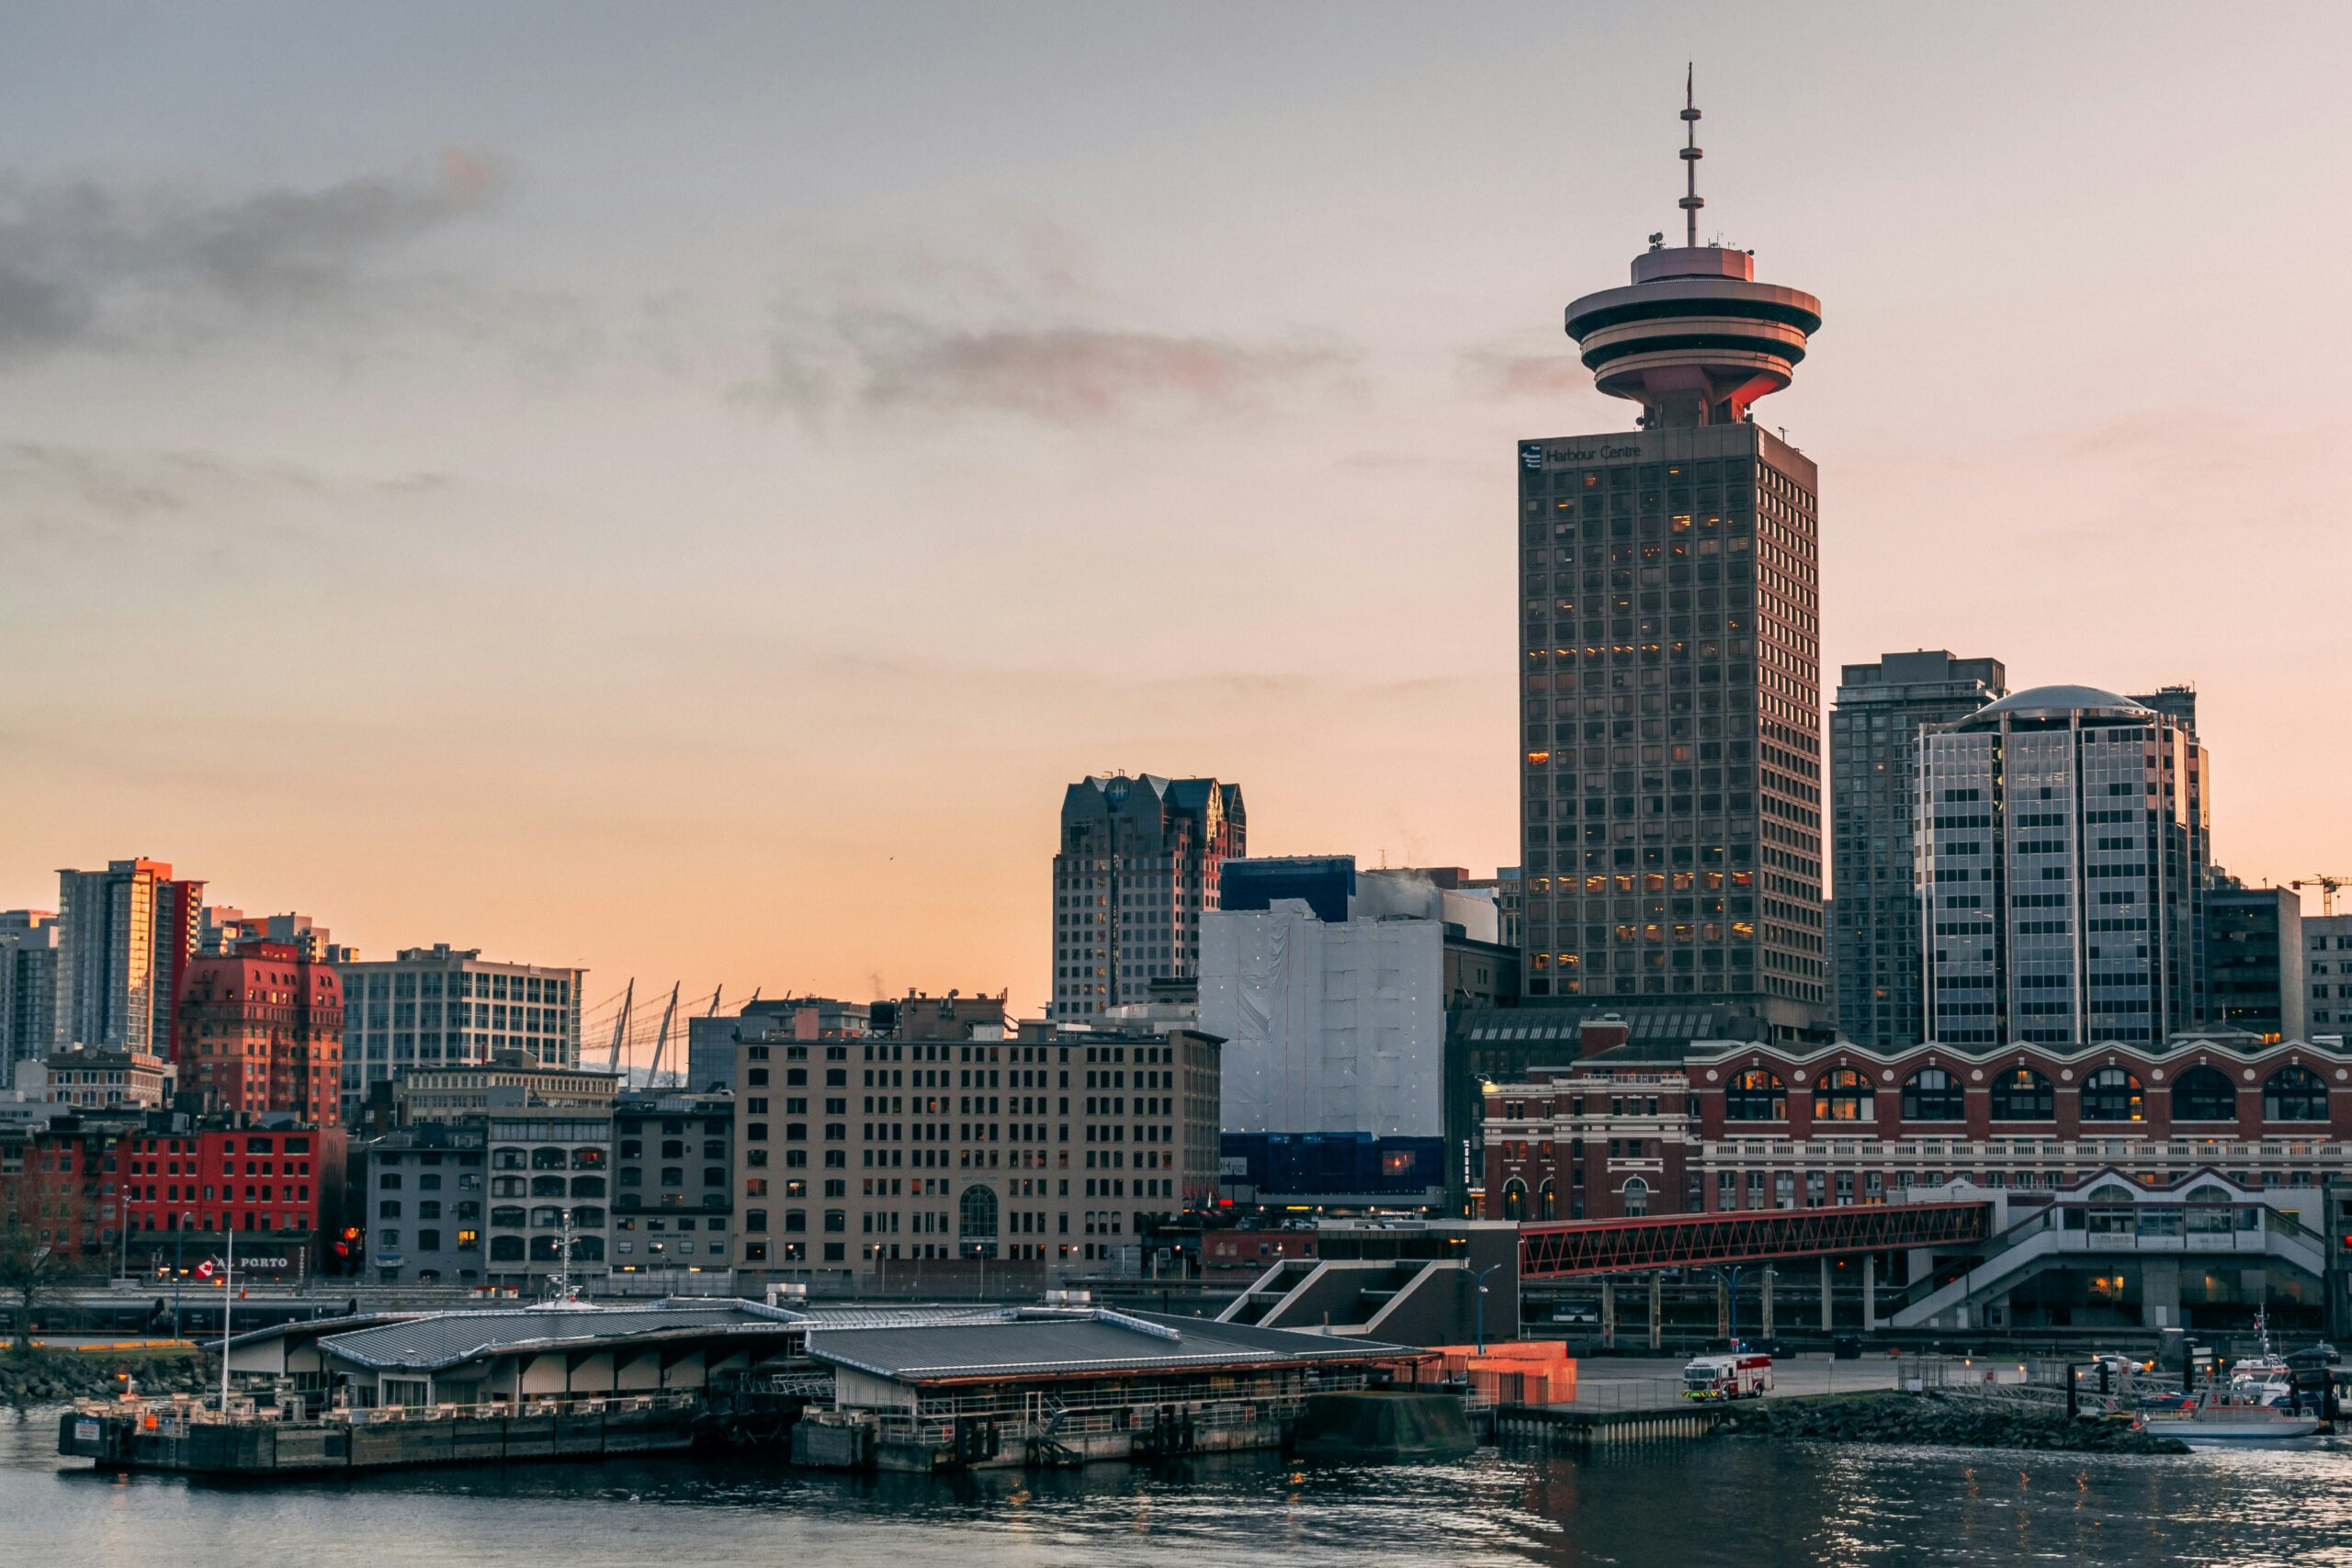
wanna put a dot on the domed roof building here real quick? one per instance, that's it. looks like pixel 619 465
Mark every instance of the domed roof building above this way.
pixel 2064 862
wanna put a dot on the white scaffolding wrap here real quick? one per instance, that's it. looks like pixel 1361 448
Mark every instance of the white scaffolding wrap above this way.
pixel 1328 1028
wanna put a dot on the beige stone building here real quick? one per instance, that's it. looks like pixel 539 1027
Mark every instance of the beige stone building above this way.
pixel 513 1081
pixel 1045 1145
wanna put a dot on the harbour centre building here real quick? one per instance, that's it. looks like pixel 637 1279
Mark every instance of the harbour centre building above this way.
pixel 1671 777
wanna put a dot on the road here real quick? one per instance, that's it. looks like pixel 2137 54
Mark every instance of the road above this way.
pixel 1625 1383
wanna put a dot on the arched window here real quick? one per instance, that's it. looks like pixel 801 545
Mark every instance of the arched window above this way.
pixel 547 1250
pixel 1547 1201
pixel 2020 1094
pixel 2203 1094
pixel 547 1187
pixel 976 1214
pixel 1844 1094
pixel 2294 1094
pixel 1638 1197
pixel 588 1248
pixel 588 1219
pixel 2111 1094
pixel 506 1249
pixel 508 1215
pixel 548 1159
pixel 1932 1094
pixel 587 1187
pixel 1514 1198
pixel 1755 1096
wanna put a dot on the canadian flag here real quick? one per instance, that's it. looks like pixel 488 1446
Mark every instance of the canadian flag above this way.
pixel 203 1270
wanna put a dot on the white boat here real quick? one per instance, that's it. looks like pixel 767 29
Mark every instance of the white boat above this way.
pixel 2216 1416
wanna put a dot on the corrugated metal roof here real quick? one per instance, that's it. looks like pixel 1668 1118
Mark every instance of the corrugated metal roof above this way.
pixel 1037 1344
pixel 446 1339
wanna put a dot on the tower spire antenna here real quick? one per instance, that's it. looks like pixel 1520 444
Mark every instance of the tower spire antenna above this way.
pixel 1691 199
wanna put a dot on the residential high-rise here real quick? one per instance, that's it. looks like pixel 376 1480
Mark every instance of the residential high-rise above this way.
pixel 2064 862
pixel 1136 865
pixel 1670 689
pixel 224 928
pixel 1873 759
pixel 440 1006
pixel 27 988
pixel 124 935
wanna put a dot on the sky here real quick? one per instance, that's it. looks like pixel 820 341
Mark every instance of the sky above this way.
pixel 680 491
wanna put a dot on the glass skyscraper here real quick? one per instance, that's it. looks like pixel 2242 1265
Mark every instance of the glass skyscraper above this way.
pixel 2063 863
pixel 1873 768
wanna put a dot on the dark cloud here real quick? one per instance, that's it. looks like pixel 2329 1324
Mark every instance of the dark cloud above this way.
pixel 83 263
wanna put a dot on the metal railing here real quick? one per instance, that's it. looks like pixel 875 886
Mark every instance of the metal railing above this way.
pixel 188 1410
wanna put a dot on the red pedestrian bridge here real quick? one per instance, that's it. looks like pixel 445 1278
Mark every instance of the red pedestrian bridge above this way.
pixel 1559 1249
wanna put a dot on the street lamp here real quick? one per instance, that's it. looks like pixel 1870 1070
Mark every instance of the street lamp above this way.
pixel 179 1236
pixel 1480 1280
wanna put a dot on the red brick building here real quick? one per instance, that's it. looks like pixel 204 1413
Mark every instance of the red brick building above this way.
pixel 282 1180
pixel 62 1182
pixel 260 1031
pixel 1736 1125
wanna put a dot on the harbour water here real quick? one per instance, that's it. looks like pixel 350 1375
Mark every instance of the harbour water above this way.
pixel 1692 1504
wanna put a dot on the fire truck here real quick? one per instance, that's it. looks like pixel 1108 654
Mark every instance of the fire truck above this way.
pixel 1739 1374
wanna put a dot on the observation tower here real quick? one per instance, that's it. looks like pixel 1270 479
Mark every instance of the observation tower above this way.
pixel 1694 339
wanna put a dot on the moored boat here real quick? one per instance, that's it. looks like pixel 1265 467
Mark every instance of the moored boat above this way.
pixel 2228 1415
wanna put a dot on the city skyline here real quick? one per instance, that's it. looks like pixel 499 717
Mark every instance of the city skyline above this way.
pixel 565 462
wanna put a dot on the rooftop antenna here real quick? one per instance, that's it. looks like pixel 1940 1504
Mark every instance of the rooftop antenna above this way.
pixel 1693 200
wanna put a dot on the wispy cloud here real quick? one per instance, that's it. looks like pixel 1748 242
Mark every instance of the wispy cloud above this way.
pixel 1012 326
pixel 87 264
pixel 51 493
pixel 1493 371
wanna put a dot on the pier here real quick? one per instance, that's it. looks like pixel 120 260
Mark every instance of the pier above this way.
pixel 182 1435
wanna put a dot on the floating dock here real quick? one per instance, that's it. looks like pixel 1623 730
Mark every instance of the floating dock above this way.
pixel 180 1435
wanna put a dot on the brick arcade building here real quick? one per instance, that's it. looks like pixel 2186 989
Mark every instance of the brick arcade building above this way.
pixel 1731 1125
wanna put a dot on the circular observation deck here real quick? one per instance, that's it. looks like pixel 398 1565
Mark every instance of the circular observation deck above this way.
pixel 1695 338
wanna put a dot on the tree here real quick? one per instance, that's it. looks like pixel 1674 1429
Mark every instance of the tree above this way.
pixel 41 1212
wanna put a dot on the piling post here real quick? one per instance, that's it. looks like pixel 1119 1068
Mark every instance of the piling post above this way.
pixel 1657 1311
pixel 1608 1314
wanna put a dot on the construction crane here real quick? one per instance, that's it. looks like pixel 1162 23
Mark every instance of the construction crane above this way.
pixel 2328 886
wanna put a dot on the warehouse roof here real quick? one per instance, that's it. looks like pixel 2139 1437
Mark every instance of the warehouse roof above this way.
pixel 1062 1343
pixel 450 1339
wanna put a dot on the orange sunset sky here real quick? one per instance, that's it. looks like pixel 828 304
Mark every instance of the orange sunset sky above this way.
pixel 681 492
